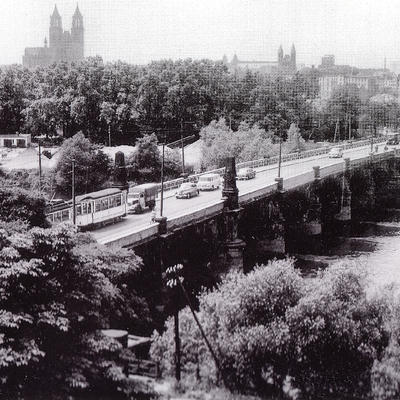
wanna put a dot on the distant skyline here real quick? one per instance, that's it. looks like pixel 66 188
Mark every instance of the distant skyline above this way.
pixel 357 32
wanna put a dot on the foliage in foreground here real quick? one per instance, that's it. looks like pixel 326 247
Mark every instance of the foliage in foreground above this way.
pixel 57 291
pixel 276 332
pixel 17 204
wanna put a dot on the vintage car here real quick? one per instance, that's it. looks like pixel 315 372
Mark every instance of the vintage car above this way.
pixel 246 173
pixel 209 182
pixel 335 152
pixel 187 190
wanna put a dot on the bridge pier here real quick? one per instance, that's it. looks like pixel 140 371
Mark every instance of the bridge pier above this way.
pixel 343 217
pixel 274 241
pixel 234 246
pixel 313 225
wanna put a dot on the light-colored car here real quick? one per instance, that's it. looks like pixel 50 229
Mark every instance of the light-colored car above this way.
pixel 246 173
pixel 394 141
pixel 335 152
pixel 187 190
pixel 209 182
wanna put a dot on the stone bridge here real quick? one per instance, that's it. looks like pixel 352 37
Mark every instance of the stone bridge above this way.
pixel 285 216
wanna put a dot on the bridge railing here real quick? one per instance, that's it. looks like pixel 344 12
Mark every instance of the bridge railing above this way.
pixel 264 162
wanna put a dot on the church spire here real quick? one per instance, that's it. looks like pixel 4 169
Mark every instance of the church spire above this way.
pixel 55 19
pixel 55 14
pixel 77 19
pixel 77 12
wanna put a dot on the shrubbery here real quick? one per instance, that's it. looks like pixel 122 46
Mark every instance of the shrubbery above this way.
pixel 58 289
pixel 275 332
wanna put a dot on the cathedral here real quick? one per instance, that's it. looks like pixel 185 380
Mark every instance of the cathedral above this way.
pixel 284 65
pixel 62 45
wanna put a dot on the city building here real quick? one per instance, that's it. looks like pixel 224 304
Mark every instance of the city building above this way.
pixel 62 46
pixel 285 64
pixel 370 81
pixel 369 84
pixel 15 140
pixel 327 61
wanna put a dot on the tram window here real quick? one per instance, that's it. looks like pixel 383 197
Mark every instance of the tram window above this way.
pixel 118 200
pixel 98 205
pixel 89 208
pixel 84 208
pixel 57 216
pixel 65 215
pixel 105 204
pixel 78 210
pixel 111 202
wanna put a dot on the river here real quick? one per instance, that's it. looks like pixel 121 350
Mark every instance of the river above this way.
pixel 375 246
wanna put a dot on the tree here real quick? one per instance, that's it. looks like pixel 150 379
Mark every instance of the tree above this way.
pixel 92 166
pixel 343 109
pixel 57 290
pixel 294 140
pixel 247 143
pixel 275 330
pixel 146 160
pixel 17 204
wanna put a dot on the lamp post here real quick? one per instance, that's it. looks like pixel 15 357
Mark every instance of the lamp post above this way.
pixel 181 141
pixel 280 154
pixel 40 167
pixel 73 193
pixel 182 146
pixel 162 179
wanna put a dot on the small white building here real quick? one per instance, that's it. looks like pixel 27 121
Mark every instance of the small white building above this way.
pixel 15 140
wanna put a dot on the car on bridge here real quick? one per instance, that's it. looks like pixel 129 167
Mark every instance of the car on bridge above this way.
pixel 187 190
pixel 245 174
pixel 335 152
pixel 209 182
pixel 394 141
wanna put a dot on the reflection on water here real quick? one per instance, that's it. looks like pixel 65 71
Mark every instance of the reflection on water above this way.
pixel 377 246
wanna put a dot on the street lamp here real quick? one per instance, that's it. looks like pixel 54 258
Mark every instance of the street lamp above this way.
pixel 40 167
pixel 279 180
pixel 162 179
pixel 280 154
pixel 73 193
pixel 182 147
pixel 181 140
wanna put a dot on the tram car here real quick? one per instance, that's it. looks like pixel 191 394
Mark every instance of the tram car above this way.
pixel 91 210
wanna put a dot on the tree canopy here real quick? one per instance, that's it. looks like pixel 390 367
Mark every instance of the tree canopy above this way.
pixel 92 166
pixel 57 291
pixel 277 332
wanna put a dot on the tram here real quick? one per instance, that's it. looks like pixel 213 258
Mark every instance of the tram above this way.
pixel 91 210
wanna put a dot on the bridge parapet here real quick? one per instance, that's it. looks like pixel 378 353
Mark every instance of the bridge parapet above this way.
pixel 264 162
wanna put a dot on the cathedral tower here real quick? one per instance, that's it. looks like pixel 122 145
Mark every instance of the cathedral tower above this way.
pixel 63 45
pixel 77 36
pixel 293 57
pixel 280 55
pixel 56 36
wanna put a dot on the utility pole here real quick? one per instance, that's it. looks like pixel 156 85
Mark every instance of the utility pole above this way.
pixel 280 154
pixel 173 275
pixel 177 338
pixel 162 179
pixel 336 129
pixel 73 193
pixel 350 127
pixel 40 167
pixel 183 151
pixel 109 135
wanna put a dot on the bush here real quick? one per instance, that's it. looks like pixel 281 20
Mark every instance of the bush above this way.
pixel 277 332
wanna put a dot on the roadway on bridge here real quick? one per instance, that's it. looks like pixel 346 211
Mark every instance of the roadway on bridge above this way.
pixel 177 207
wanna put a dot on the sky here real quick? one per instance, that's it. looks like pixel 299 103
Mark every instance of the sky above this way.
pixel 357 32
